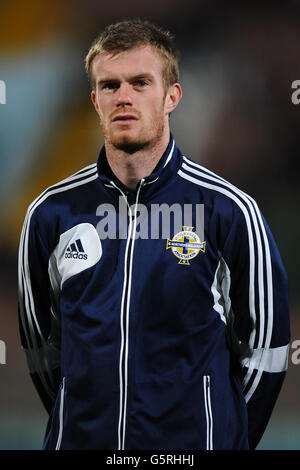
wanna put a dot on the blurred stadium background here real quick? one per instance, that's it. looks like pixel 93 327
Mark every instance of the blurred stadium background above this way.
pixel 238 61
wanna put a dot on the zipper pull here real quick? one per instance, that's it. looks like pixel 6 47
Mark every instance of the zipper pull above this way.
pixel 207 378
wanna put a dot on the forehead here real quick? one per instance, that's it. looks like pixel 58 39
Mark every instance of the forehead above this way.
pixel 139 60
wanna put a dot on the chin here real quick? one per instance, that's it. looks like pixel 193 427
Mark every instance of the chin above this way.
pixel 129 144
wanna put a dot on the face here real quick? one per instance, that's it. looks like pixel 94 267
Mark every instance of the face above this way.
pixel 130 98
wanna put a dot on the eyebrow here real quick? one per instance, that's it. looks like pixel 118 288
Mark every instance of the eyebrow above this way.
pixel 140 76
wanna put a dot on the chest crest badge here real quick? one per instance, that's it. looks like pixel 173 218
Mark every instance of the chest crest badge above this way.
pixel 186 245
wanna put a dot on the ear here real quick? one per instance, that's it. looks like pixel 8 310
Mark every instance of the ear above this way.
pixel 173 97
pixel 94 101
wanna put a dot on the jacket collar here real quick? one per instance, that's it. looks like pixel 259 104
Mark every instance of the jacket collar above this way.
pixel 166 167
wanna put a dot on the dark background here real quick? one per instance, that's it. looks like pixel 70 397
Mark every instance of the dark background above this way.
pixel 238 62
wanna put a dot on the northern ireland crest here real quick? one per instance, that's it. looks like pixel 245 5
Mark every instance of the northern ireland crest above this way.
pixel 186 245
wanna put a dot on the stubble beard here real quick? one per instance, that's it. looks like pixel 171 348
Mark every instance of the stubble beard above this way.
pixel 145 140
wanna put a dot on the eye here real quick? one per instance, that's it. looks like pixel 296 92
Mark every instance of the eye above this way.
pixel 140 83
pixel 110 86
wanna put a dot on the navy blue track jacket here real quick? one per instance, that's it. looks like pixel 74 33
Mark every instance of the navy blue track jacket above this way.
pixel 172 334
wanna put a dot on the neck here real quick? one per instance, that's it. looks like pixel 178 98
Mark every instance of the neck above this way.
pixel 130 168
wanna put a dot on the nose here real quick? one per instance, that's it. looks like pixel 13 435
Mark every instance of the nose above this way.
pixel 124 95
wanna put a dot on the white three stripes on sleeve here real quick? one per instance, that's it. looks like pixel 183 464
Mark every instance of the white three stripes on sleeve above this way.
pixel 37 360
pixel 200 176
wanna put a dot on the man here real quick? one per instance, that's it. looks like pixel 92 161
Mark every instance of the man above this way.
pixel 145 329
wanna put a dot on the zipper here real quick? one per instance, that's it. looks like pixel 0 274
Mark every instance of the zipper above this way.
pixel 124 316
pixel 208 412
pixel 61 414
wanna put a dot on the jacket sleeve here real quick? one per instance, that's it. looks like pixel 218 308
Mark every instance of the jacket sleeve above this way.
pixel 38 322
pixel 259 311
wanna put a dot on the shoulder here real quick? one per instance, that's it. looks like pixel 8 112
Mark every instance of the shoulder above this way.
pixel 214 186
pixel 62 190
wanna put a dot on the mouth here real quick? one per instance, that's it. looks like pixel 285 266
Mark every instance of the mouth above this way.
pixel 125 119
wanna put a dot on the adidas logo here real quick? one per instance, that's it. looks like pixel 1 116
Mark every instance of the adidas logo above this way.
pixel 76 251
